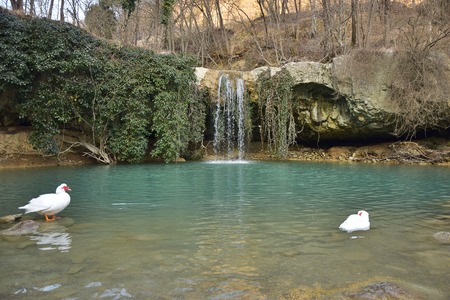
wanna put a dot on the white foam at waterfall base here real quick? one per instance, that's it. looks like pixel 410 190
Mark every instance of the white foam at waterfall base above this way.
pixel 231 161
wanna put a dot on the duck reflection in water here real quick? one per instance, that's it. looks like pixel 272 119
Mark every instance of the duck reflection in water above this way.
pixel 53 237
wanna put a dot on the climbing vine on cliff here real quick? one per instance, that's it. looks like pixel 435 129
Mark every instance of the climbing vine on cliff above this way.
pixel 179 110
pixel 277 111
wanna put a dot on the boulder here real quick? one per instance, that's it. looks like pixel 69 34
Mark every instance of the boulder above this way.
pixel 381 290
pixel 22 228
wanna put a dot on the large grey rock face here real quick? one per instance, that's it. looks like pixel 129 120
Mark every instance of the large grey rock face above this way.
pixel 344 100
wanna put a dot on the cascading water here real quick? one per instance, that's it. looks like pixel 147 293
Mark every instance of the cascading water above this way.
pixel 229 129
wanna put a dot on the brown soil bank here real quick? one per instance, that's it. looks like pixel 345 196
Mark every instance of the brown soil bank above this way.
pixel 16 152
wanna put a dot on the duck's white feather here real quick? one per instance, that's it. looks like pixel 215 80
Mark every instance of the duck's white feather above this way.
pixel 356 222
pixel 49 204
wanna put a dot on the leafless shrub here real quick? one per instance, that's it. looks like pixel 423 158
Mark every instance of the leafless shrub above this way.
pixel 420 91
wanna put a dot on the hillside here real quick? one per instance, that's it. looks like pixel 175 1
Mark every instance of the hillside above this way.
pixel 375 28
pixel 242 35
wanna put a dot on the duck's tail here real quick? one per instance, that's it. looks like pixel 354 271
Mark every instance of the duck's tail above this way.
pixel 27 209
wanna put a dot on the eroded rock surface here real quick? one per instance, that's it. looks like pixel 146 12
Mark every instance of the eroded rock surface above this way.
pixel 345 100
pixel 22 228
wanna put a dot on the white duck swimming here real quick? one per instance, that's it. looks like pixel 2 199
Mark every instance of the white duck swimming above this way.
pixel 355 222
pixel 49 204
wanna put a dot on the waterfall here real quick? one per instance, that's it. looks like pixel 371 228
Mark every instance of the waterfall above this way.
pixel 229 116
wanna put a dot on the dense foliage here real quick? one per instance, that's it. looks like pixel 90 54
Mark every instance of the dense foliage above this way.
pixel 118 97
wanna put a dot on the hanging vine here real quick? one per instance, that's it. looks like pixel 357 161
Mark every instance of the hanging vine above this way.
pixel 276 110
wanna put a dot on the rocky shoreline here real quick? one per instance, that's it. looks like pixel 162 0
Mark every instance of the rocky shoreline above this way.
pixel 424 152
pixel 17 152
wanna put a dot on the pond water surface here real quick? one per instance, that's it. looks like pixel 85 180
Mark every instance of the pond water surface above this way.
pixel 254 230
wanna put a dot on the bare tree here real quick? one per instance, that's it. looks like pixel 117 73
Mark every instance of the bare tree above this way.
pixel 354 23
pixel 420 90
pixel 366 33
pixel 50 9
pixel 31 10
pixel 73 11
pixel 250 27
pixel 385 15
pixel 263 15
pixel 327 42
pixel 61 11
pixel 223 30
pixel 17 5
pixel 284 7
pixel 313 31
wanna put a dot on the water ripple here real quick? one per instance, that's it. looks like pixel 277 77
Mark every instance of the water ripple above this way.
pixel 225 230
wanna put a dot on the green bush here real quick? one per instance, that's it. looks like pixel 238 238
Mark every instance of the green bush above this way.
pixel 117 96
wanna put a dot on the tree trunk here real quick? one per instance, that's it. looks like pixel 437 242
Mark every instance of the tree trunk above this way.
pixel 298 6
pixel 366 36
pixel 327 42
pixel 313 31
pixel 136 26
pixel 284 7
pixel 17 5
pixel 61 11
pixel 222 28
pixel 354 23
pixel 32 9
pixel 219 14
pixel 50 9
pixel 261 9
pixel 385 21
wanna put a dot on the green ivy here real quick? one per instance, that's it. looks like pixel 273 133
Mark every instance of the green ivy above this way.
pixel 14 70
pixel 166 11
pixel 118 97
pixel 129 6
pixel 174 124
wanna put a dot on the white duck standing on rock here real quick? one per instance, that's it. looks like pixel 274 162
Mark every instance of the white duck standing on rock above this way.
pixel 49 204
pixel 356 222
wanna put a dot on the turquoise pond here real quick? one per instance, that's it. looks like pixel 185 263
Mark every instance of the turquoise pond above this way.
pixel 216 230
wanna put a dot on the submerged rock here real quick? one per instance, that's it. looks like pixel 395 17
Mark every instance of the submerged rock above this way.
pixel 116 293
pixel 48 288
pixel 442 236
pixel 381 290
pixel 377 290
pixel 22 228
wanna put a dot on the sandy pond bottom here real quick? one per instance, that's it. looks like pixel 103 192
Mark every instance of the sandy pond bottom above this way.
pixel 228 231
